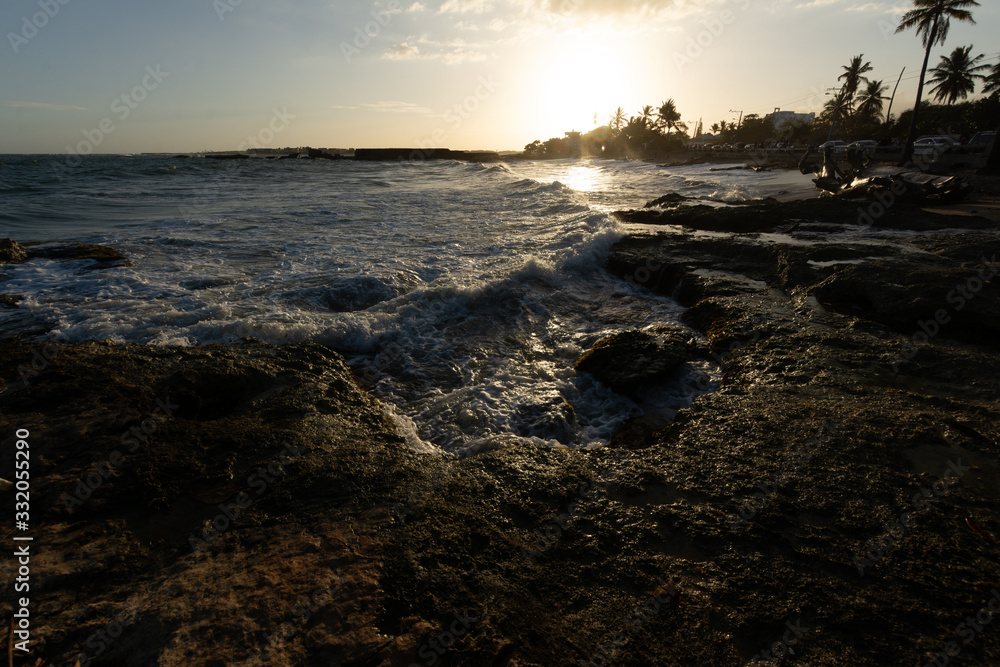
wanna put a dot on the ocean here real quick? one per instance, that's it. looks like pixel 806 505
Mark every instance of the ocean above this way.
pixel 461 294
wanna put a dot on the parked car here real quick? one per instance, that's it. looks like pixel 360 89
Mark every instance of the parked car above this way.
pixel 982 142
pixel 934 147
pixel 864 144
pixel 839 147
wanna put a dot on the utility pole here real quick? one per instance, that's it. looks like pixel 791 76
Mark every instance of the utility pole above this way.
pixel 736 137
pixel 889 110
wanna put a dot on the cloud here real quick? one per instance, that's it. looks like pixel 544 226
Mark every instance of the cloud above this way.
pixel 449 52
pixel 42 105
pixel 342 107
pixel 459 56
pixel 880 7
pixel 639 9
pixel 402 51
pixel 416 7
pixel 816 3
pixel 398 107
pixel 533 18
pixel 466 6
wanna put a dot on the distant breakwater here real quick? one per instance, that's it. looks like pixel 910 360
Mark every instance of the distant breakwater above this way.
pixel 370 155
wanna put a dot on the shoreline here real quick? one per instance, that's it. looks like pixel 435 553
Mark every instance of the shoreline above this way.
pixel 842 482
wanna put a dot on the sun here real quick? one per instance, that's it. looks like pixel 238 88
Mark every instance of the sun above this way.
pixel 577 80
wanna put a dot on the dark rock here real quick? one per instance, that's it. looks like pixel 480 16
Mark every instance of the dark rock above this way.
pixel 12 252
pixel 10 300
pixel 768 215
pixel 105 256
pixel 959 300
pixel 627 360
pixel 139 451
pixel 667 200
pixel 198 284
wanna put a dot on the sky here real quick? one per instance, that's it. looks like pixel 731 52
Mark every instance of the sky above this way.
pixel 131 76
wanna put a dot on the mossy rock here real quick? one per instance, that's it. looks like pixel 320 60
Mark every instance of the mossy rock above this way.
pixel 12 252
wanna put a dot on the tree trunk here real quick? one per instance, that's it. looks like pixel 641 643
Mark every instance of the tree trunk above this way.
pixel 912 134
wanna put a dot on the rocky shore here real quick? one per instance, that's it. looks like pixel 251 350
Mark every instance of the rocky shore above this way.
pixel 835 500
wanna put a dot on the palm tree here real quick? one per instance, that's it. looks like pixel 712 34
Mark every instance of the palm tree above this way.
pixel 870 102
pixel 714 127
pixel 853 75
pixel 931 18
pixel 633 131
pixel 646 114
pixel 618 119
pixel 991 82
pixel 956 75
pixel 667 115
pixel 837 109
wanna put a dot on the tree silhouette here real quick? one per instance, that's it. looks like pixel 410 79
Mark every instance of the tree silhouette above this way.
pixel 871 101
pixel 853 76
pixel 837 109
pixel 646 114
pixel 991 82
pixel 956 75
pixel 618 119
pixel 667 116
pixel 931 18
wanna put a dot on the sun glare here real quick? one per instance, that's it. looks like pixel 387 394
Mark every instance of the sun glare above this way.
pixel 577 81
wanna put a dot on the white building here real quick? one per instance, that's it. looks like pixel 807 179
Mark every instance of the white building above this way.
pixel 781 117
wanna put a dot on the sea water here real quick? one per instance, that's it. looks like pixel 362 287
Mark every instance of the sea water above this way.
pixel 461 293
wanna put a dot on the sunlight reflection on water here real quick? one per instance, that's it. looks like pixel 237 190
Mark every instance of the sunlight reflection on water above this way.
pixel 585 177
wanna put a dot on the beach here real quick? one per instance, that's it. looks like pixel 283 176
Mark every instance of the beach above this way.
pixel 755 433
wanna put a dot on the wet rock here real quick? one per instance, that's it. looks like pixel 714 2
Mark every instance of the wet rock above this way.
pixel 10 300
pixel 195 475
pixel 625 361
pixel 12 252
pixel 956 300
pixel 198 284
pixel 668 200
pixel 105 256
pixel 768 215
